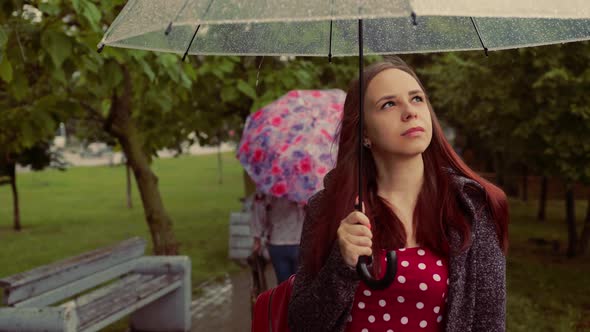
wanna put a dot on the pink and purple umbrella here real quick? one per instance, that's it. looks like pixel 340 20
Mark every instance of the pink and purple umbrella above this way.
pixel 288 146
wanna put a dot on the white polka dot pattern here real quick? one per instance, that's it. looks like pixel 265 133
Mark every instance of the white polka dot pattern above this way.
pixel 414 302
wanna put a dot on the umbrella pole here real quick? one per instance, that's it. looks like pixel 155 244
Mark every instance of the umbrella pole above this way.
pixel 361 112
pixel 390 257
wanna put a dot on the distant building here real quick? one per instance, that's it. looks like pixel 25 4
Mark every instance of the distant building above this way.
pixel 60 140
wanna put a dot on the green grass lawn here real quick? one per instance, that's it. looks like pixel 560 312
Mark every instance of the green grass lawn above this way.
pixel 67 213
pixel 546 290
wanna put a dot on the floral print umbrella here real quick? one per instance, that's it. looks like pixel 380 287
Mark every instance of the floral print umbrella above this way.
pixel 288 146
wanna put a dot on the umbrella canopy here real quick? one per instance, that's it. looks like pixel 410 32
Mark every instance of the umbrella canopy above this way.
pixel 288 146
pixel 321 28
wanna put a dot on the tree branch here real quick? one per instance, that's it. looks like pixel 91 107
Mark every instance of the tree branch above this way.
pixel 120 112
pixel 108 123
pixel 92 112
pixel 20 45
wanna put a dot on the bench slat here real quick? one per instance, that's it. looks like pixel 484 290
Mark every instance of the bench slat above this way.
pixel 78 286
pixel 116 286
pixel 25 285
pixel 103 298
pixel 120 302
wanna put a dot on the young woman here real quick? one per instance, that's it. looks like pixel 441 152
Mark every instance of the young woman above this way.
pixel 447 224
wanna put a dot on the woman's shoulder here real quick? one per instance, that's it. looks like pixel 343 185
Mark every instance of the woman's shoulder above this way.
pixel 468 190
pixel 314 203
pixel 472 197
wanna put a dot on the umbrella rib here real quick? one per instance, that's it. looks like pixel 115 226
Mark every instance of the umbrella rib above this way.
pixel 191 42
pixel 331 22
pixel 330 51
pixel 485 49
pixel 169 28
pixel 196 30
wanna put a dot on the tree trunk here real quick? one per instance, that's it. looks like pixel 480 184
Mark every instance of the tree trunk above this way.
pixel 129 202
pixel 122 126
pixel 219 164
pixel 571 220
pixel 499 168
pixel 15 203
pixel 525 183
pixel 585 237
pixel 542 199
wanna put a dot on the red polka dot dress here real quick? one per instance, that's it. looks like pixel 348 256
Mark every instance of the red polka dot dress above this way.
pixel 415 301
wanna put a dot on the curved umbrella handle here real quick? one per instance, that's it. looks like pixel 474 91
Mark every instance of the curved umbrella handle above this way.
pixel 367 277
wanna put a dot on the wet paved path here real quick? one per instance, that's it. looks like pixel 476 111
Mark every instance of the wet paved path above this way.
pixel 225 306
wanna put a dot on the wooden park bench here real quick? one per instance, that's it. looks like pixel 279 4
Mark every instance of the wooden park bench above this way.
pixel 97 288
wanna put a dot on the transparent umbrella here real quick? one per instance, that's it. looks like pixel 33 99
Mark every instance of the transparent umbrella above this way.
pixel 346 28
pixel 323 28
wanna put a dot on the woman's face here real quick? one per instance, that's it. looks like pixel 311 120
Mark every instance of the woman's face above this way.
pixel 397 118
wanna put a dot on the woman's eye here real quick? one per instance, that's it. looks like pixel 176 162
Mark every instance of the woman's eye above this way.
pixel 390 103
pixel 418 99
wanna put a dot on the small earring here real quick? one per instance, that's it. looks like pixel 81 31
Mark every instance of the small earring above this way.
pixel 367 143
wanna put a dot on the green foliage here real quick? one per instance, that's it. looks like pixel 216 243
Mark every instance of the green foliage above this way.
pixel 530 105
pixel 6 71
pixel 564 117
pixel 203 99
pixel 58 45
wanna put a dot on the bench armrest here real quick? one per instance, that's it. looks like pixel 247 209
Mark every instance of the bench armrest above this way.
pixel 163 265
pixel 172 313
pixel 50 319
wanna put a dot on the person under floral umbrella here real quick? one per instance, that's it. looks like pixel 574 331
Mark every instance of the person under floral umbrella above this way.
pixel 277 223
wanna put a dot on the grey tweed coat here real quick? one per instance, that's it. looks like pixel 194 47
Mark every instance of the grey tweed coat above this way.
pixel 477 289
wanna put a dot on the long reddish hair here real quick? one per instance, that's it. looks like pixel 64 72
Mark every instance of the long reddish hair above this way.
pixel 437 208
